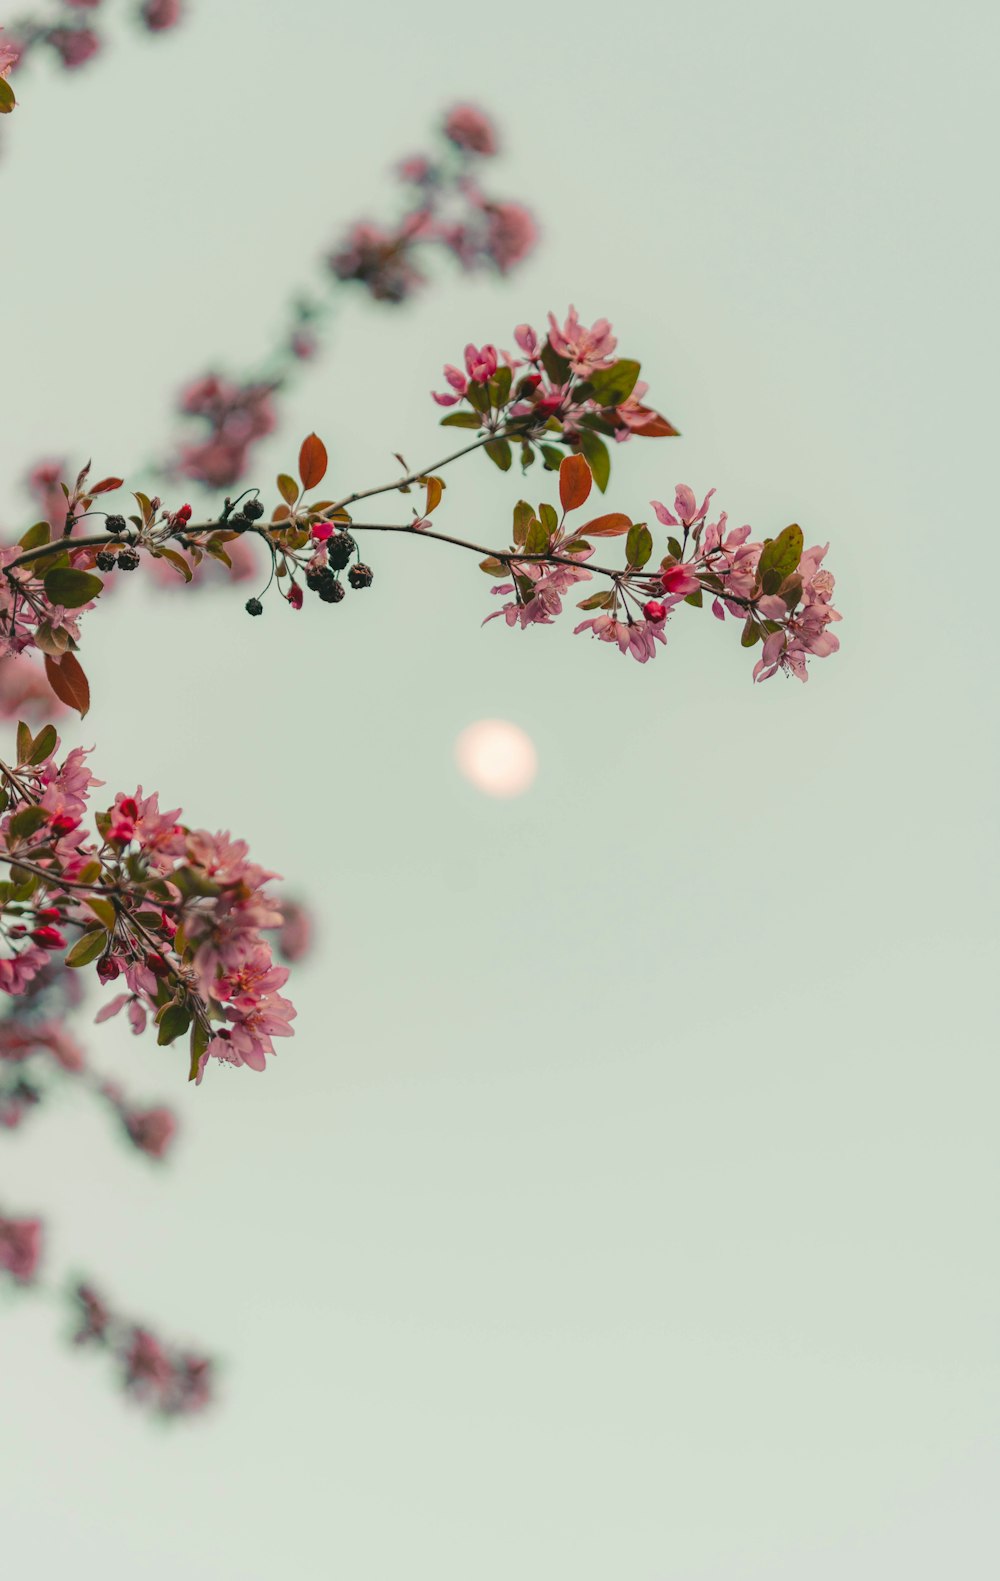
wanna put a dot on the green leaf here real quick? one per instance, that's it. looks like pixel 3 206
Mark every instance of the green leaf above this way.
pixel 7 100
pixel 638 545
pixel 614 385
pixel 598 600
pixel 173 1023
pixel 537 541
pixel 549 519
pixel 104 911
pixel 25 740
pixel 674 545
pixel 597 453
pixel 498 451
pixel 478 396
pixel 695 599
pixel 44 745
pixel 500 387
pixel 552 457
pixel 782 554
pixel 524 515
pixel 494 567
pixel 27 822
pixel 751 633
pixel 88 948
pixel 555 366
pixel 461 420
pixel 200 1039
pixel 36 536
pixel 71 588
pixel 527 456
pixel 578 546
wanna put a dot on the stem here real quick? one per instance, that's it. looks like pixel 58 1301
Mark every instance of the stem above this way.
pixel 413 477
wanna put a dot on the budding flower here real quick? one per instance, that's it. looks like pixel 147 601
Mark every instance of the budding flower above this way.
pixel 654 610
pixel 294 596
pixel 63 823
pixel 49 938
pixel 108 969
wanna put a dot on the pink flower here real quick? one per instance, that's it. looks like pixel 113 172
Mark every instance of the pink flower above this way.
pixel 158 15
pixel 151 1130
pixel 686 506
pixel 74 45
pixel 470 129
pixel 585 349
pixel 511 234
pixel 459 383
pixel 637 637
pixel 679 581
pixel 480 362
pixel 528 341
pixel 20 1247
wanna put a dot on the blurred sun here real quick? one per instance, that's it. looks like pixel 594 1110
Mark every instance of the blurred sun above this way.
pixel 496 757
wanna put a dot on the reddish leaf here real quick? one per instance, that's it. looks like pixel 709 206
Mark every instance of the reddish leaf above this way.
pixel 656 427
pixel 312 462
pixel 575 482
pixel 105 486
pixel 68 681
pixel 612 526
pixel 435 488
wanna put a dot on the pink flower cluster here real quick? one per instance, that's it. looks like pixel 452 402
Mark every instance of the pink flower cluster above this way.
pixel 567 389
pixel 775 587
pixel 235 415
pixel 168 1381
pixel 452 213
pixel 178 914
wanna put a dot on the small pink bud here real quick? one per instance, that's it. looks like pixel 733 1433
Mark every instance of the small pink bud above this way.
pixel 654 610
pixel 294 596
pixel 323 530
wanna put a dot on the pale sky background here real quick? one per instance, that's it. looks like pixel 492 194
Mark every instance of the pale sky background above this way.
pixel 626 1204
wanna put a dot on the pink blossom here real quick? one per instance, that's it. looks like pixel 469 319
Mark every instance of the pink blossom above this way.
pixel 470 129
pixel 20 1247
pixel 511 234
pixel 73 45
pixel 158 15
pixel 528 341
pixel 637 637
pixel 151 1130
pixel 585 349
pixel 459 383
pixel 481 363
pixel 686 506
pixel 679 581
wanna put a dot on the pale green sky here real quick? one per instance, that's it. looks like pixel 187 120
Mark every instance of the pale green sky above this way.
pixel 626 1204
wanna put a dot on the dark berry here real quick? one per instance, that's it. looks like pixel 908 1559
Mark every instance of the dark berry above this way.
pixel 332 592
pixel 339 549
pixel 114 523
pixel 317 580
pixel 105 560
pixel 360 575
pixel 127 559
pixel 254 606
pixel 253 510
